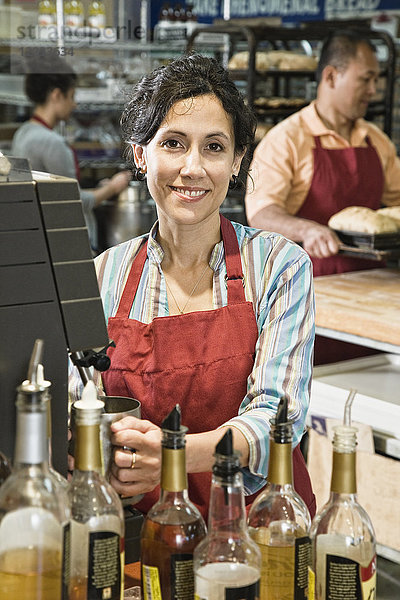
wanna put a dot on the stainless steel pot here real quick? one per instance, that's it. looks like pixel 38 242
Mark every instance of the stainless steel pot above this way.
pixel 131 214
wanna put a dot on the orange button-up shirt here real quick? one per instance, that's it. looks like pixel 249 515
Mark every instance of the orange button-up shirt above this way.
pixel 282 166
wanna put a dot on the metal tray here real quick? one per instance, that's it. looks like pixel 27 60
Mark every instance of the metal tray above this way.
pixel 374 241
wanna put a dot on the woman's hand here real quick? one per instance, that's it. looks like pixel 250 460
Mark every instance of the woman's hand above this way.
pixel 145 439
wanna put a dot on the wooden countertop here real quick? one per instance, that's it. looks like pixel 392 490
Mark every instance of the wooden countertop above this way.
pixel 360 303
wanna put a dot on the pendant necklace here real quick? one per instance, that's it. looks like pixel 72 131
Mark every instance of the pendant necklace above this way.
pixel 182 310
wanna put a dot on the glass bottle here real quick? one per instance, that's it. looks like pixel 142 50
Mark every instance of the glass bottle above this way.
pixel 342 536
pixel 34 510
pixel 97 520
pixel 45 384
pixel 173 526
pixel 97 14
pixel 279 520
pixel 73 13
pixel 227 562
pixel 46 12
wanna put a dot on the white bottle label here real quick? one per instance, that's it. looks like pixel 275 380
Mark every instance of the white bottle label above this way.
pixel 97 21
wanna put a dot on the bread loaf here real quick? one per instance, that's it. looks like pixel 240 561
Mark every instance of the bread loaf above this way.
pixel 393 212
pixel 360 219
pixel 275 59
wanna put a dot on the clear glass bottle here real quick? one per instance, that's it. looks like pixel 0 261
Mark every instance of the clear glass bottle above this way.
pixel 227 562
pixel 97 520
pixel 97 14
pixel 34 511
pixel 279 520
pixel 173 526
pixel 46 385
pixel 342 536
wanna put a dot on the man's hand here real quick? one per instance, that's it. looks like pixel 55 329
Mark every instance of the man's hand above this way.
pixel 319 241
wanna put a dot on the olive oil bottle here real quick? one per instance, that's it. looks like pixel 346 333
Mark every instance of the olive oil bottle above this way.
pixel 279 520
pixel 173 526
pixel 34 511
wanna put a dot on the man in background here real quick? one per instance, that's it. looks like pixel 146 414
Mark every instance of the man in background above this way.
pixel 324 158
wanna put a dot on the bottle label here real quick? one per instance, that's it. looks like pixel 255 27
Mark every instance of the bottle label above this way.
pixel 66 557
pixel 245 592
pixel 104 572
pixel 151 583
pixel 182 577
pixel 284 570
pixel 302 551
pixel 346 578
pixel 97 21
pixel 46 19
pixel 73 20
pixel 311 584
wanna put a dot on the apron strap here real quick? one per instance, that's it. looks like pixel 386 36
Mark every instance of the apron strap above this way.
pixel 132 283
pixel 234 272
pixel 317 141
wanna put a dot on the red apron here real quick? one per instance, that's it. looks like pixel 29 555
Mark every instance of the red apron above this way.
pixel 341 178
pixel 200 360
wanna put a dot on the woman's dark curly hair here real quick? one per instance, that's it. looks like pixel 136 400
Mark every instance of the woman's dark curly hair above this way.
pixel 186 77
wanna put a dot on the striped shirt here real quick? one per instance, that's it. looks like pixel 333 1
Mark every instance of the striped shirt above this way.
pixel 278 282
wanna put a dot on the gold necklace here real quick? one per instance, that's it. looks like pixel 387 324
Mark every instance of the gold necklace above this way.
pixel 182 310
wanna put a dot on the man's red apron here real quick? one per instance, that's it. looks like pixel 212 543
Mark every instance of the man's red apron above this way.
pixel 200 360
pixel 341 178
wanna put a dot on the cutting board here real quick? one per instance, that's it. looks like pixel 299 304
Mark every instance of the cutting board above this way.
pixel 363 303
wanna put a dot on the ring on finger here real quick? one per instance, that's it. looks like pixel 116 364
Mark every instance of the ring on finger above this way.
pixel 133 460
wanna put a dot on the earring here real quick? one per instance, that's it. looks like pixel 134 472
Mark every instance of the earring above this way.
pixel 139 174
pixel 233 182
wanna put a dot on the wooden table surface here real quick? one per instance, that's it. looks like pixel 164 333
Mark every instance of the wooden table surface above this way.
pixel 361 303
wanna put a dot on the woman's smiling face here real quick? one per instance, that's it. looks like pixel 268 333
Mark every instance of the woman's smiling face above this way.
pixel 190 160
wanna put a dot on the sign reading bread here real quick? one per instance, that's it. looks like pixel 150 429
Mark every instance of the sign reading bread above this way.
pixel 362 220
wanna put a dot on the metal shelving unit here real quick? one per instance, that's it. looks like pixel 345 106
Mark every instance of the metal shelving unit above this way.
pixel 254 39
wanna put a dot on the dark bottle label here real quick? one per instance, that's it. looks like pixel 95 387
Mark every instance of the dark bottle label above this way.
pixel 65 564
pixel 346 578
pixel 182 577
pixel 247 592
pixel 302 558
pixel 104 572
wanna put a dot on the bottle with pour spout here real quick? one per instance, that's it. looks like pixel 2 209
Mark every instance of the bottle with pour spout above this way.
pixel 46 385
pixel 97 520
pixel 279 520
pixel 227 562
pixel 342 535
pixel 34 509
pixel 173 526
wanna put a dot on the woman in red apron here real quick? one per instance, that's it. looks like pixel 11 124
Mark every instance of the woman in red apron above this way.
pixel 195 354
